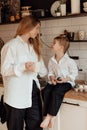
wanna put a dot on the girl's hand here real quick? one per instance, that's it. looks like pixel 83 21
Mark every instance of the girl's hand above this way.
pixel 30 66
pixel 64 80
pixel 53 80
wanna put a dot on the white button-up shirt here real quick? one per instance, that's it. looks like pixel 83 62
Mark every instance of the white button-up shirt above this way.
pixel 17 81
pixel 65 67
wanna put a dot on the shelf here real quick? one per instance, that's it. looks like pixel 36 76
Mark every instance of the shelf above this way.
pixel 79 41
pixel 53 18
pixel 64 17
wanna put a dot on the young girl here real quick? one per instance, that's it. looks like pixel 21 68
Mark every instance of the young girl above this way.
pixel 21 62
pixel 62 73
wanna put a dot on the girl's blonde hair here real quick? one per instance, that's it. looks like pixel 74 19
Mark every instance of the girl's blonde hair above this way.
pixel 64 41
pixel 26 25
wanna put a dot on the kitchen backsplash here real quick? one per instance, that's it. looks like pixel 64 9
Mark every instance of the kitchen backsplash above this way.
pixel 52 28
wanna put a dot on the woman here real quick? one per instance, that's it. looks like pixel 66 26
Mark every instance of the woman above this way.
pixel 21 62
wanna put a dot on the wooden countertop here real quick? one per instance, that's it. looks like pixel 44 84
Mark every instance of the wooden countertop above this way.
pixel 76 95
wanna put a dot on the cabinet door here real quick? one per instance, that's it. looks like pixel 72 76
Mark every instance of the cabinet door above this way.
pixel 3 126
pixel 73 117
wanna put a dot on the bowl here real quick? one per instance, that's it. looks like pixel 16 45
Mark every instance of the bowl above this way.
pixel 85 9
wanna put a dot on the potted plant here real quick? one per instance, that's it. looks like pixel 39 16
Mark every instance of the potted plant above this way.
pixel 57 11
pixel 63 7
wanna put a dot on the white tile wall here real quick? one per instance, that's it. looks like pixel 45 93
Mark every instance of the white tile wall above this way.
pixel 52 28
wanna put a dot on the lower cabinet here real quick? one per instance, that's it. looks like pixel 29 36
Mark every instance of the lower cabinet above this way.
pixel 71 117
pixel 3 126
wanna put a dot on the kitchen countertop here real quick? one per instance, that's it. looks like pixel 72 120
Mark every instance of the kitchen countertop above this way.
pixel 76 95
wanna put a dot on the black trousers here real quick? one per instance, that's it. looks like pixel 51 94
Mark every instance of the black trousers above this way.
pixel 32 116
pixel 52 96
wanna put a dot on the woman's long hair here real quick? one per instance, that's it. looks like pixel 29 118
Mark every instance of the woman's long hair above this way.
pixel 26 25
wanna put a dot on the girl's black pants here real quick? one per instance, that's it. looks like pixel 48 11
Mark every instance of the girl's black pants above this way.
pixel 52 96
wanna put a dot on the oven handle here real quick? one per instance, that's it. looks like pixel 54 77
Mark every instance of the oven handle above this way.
pixel 71 103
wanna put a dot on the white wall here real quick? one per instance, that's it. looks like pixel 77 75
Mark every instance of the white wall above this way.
pixel 52 28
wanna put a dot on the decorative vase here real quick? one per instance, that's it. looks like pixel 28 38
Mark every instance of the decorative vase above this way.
pixel 81 35
pixel 63 9
pixel 75 6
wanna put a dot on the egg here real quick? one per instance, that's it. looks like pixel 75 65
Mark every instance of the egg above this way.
pixel 81 88
pixel 85 87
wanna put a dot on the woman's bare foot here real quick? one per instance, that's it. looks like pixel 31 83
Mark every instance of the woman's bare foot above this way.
pixel 52 121
pixel 45 122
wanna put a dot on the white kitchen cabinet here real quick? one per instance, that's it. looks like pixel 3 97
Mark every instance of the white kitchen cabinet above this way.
pixel 3 126
pixel 72 116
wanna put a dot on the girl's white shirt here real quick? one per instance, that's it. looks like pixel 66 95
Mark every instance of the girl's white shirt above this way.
pixel 17 81
pixel 65 67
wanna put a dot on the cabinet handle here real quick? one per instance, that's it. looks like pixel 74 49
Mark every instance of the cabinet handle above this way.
pixel 71 103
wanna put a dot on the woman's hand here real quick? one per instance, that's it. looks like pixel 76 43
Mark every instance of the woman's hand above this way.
pixel 30 66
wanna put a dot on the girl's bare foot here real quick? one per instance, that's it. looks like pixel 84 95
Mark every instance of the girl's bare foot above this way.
pixel 45 122
pixel 52 121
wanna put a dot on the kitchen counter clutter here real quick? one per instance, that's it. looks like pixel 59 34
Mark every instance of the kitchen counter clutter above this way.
pixel 76 95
